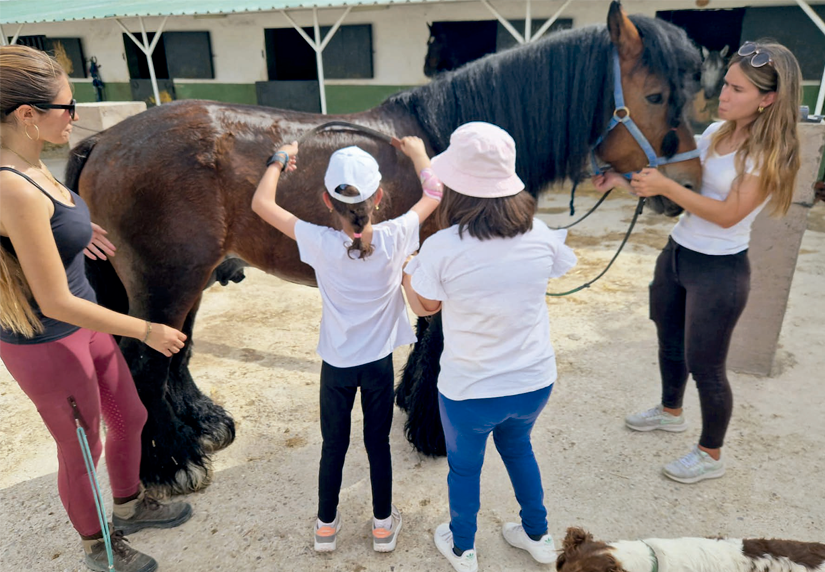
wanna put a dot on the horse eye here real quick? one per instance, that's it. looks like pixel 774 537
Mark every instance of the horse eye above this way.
pixel 655 98
pixel 430 40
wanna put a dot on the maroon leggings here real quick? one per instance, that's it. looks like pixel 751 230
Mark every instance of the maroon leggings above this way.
pixel 89 367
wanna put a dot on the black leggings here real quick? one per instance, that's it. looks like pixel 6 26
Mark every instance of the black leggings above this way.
pixel 338 388
pixel 695 301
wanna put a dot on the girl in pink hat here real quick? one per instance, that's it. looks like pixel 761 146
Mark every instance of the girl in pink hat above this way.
pixel 487 272
pixel 358 270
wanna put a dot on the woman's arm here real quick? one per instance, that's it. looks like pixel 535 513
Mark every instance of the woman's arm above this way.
pixel 413 147
pixel 743 198
pixel 25 217
pixel 263 201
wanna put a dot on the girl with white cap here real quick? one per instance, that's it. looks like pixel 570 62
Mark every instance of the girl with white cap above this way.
pixel 487 271
pixel 358 270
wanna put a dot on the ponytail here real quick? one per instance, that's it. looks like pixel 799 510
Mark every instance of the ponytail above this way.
pixel 358 215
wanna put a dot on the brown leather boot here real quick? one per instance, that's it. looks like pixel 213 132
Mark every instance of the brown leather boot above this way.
pixel 147 512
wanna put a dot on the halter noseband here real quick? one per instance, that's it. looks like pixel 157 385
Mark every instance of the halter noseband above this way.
pixel 621 115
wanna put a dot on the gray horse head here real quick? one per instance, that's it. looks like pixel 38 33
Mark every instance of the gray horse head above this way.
pixel 714 64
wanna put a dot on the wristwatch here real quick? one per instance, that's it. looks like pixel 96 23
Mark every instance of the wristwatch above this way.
pixel 279 157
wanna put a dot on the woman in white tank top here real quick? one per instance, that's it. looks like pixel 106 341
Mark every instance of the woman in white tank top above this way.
pixel 702 277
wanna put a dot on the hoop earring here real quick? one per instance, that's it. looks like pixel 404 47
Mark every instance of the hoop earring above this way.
pixel 761 109
pixel 26 131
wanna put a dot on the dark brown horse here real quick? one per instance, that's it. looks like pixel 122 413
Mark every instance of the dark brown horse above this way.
pixel 174 185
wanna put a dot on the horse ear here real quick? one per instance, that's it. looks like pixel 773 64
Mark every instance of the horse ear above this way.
pixel 724 51
pixel 430 27
pixel 623 33
pixel 705 52
pixel 575 538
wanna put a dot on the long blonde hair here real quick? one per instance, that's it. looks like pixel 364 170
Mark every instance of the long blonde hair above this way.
pixel 773 139
pixel 28 76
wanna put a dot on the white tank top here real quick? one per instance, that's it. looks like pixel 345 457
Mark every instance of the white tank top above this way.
pixel 718 175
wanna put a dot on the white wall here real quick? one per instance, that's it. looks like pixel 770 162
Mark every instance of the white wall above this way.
pixel 399 33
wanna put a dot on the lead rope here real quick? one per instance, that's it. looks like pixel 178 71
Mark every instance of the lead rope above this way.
pixel 639 207
pixel 90 470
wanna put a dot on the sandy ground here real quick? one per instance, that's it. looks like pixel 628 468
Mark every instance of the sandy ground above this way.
pixel 255 354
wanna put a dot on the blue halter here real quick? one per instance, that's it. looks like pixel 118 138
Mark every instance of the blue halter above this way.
pixel 625 119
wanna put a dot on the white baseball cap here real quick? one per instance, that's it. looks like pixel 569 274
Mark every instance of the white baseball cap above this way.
pixel 354 167
pixel 480 162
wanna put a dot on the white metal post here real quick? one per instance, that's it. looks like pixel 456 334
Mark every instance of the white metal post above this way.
pixel 820 99
pixel 319 61
pixel 550 22
pixel 14 38
pixel 3 41
pixel 147 49
pixel 507 25
pixel 528 23
pixel 318 45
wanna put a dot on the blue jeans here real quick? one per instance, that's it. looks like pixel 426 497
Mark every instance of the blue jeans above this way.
pixel 466 426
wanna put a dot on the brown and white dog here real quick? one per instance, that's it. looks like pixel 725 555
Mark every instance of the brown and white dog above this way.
pixel 583 554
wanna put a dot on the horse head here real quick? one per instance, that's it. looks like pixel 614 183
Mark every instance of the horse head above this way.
pixel 714 64
pixel 656 100
pixel 439 58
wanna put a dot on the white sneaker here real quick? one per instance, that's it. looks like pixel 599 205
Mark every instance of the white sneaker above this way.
pixel 326 536
pixel 384 540
pixel 694 467
pixel 542 550
pixel 656 418
pixel 444 542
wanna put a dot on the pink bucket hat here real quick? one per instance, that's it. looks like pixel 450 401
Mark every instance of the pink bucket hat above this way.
pixel 480 162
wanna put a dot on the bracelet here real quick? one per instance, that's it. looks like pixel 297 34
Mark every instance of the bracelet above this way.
pixel 432 185
pixel 148 331
pixel 279 157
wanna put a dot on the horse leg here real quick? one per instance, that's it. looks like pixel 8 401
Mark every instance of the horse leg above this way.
pixel 212 424
pixel 405 386
pixel 173 458
pixel 420 385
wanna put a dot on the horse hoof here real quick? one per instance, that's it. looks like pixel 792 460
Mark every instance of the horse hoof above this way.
pixel 219 437
pixel 187 480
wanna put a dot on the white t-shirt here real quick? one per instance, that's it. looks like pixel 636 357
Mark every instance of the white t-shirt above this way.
pixel 364 315
pixel 496 325
pixel 718 174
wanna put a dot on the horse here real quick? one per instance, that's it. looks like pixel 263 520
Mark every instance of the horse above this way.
pixel 173 186
pixel 454 44
pixel 714 66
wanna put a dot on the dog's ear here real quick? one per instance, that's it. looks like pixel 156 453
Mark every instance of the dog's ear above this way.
pixel 576 537
pixel 561 561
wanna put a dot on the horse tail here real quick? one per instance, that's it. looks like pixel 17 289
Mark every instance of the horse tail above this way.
pixel 77 158
pixel 417 393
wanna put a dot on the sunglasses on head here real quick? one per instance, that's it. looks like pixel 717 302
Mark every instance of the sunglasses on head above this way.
pixel 758 57
pixel 71 107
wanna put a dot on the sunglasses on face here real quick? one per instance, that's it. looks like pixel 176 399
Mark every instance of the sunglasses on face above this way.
pixel 758 57
pixel 71 107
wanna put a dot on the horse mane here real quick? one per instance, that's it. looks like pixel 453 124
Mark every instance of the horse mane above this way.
pixel 554 96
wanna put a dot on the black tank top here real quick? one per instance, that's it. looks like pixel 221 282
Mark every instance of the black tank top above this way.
pixel 72 229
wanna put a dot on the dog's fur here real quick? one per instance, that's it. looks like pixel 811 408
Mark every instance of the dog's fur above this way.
pixel 583 554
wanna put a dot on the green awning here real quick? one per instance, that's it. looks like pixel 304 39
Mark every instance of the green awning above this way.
pixel 33 11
